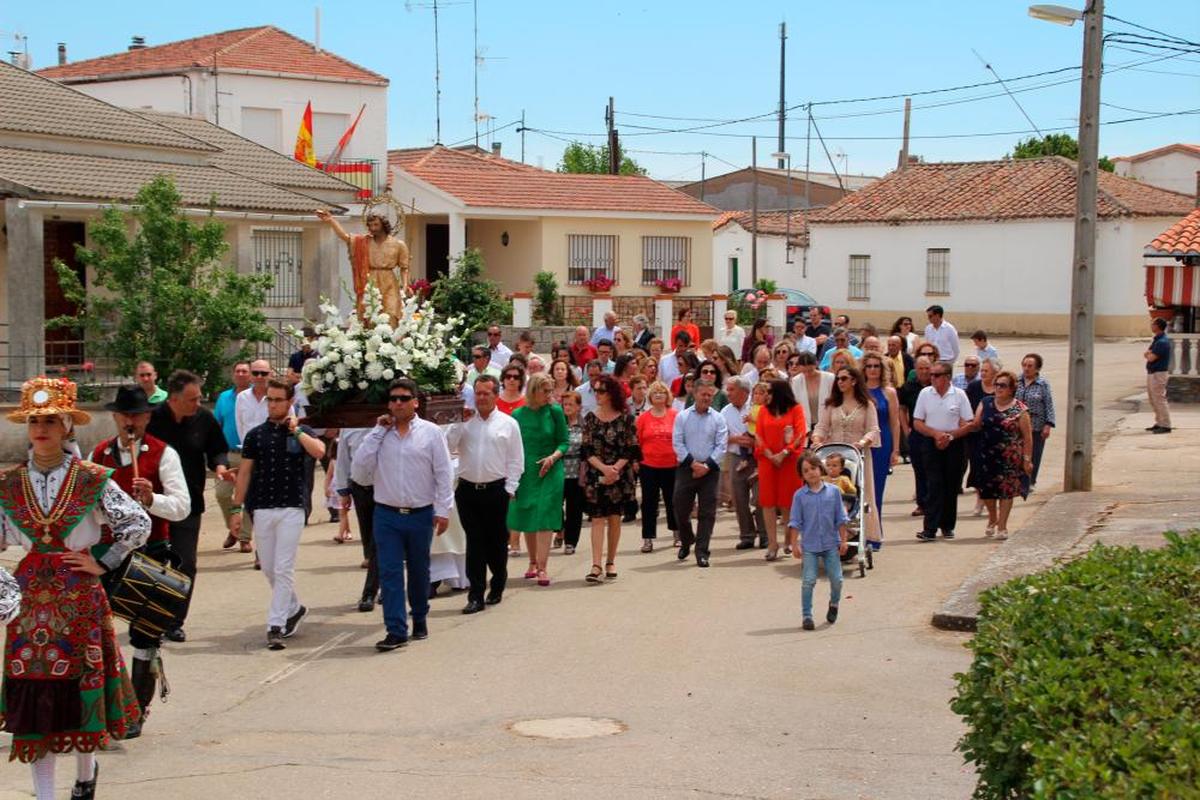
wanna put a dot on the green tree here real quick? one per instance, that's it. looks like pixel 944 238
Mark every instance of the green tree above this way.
pixel 1054 144
pixel 583 158
pixel 464 291
pixel 545 305
pixel 162 294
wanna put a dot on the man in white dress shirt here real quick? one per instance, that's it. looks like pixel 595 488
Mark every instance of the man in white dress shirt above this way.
pixel 408 461
pixel 250 408
pixel 942 334
pixel 491 458
pixel 500 353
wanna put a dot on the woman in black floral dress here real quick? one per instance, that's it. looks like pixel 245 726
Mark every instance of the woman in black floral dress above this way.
pixel 609 451
pixel 1005 444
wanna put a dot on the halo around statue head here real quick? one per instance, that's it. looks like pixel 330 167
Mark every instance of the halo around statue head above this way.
pixel 388 207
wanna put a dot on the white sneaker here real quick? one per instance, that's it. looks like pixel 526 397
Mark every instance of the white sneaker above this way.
pixel 1001 535
pixel 990 532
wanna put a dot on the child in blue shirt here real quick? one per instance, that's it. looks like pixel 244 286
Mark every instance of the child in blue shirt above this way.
pixel 820 519
pixel 982 348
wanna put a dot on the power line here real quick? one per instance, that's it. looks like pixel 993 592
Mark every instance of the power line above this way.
pixel 494 130
pixel 1142 27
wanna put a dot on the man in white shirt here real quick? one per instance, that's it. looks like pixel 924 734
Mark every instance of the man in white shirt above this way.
pixel 250 408
pixel 500 354
pixel 606 331
pixel 491 458
pixel 741 447
pixel 732 335
pixel 668 365
pixel 408 461
pixel 481 364
pixel 943 414
pixel 587 392
pixel 942 335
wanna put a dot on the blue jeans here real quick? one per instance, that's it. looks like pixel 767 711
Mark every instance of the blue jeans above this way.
pixel 833 571
pixel 402 541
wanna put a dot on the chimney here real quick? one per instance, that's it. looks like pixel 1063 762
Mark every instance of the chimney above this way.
pixel 496 149
pixel 62 53
pixel 137 43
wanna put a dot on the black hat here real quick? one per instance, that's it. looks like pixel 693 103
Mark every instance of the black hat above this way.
pixel 131 399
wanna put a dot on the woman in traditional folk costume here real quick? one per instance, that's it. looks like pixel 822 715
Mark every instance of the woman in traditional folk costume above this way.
pixel 65 684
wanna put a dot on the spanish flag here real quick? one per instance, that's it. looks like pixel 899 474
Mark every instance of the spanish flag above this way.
pixel 304 139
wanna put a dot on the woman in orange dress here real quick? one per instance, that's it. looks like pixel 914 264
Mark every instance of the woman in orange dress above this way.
pixel 780 431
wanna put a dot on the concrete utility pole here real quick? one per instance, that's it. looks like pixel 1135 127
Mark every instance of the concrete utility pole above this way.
pixel 1078 477
pixel 703 166
pixel 754 212
pixel 903 163
pixel 782 101
pixel 614 148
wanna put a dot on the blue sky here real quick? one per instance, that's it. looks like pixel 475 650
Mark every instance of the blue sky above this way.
pixel 560 61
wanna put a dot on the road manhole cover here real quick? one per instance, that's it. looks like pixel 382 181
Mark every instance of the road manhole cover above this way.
pixel 568 727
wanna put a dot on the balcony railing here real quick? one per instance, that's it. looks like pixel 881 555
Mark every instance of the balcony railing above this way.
pixel 1185 354
pixel 365 173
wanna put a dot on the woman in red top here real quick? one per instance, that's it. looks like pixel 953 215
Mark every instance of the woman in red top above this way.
pixel 779 432
pixel 657 470
pixel 512 389
pixel 685 324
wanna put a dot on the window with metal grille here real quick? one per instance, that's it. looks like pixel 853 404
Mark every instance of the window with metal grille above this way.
pixel 937 270
pixel 277 252
pixel 666 257
pixel 860 278
pixel 590 256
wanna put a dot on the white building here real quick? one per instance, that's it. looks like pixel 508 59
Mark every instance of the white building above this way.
pixel 990 241
pixel 782 250
pixel 1174 167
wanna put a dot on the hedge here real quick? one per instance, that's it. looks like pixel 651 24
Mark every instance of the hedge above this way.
pixel 1086 679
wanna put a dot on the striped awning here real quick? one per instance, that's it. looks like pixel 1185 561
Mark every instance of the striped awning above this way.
pixel 1172 285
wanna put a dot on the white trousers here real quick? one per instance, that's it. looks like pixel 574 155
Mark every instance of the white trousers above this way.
pixel 277 531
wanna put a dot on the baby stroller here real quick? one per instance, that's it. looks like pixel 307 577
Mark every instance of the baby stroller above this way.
pixel 854 468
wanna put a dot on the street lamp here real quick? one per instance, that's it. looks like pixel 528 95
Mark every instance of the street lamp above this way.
pixel 1078 467
pixel 787 241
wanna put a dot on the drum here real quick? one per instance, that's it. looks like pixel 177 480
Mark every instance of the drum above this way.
pixel 150 595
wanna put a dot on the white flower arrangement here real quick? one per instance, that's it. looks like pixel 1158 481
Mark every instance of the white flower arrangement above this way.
pixel 356 356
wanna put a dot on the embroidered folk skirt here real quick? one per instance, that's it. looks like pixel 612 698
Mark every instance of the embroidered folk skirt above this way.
pixel 65 684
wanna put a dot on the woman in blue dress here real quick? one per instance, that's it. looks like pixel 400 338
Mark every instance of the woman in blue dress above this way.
pixel 887 405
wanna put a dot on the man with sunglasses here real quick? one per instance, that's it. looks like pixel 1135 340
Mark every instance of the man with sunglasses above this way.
pixel 250 409
pixel 408 461
pixel 481 364
pixel 942 415
pixel 499 352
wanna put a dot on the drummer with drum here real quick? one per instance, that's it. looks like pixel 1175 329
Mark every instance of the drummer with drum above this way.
pixel 155 479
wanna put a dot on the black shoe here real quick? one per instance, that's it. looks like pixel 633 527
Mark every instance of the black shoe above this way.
pixel 701 561
pixel 176 634
pixel 420 630
pixel 334 516
pixel 947 534
pixel 275 639
pixel 808 624
pixel 293 622
pixel 390 642
pixel 366 604
pixel 473 607
pixel 629 518
pixel 744 546
pixel 494 599
pixel 433 589
pixel 86 790
pixel 762 544
pixel 684 551
pixel 1161 430
pixel 831 614
pixel 257 563
pixel 1153 428
pixel 927 537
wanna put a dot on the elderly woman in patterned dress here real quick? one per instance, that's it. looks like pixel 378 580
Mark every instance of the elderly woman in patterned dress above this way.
pixel 65 684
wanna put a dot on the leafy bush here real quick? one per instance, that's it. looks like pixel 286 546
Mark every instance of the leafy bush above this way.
pixel 1086 678
pixel 766 285
pixel 464 293
pixel 545 303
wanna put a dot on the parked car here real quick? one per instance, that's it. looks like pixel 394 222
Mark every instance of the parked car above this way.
pixel 798 304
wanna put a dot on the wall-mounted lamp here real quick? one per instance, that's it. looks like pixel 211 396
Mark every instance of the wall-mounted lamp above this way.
pixel 504 238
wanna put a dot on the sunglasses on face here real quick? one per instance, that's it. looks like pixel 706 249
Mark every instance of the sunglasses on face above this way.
pixel 512 377
pixel 940 374
pixel 1003 385
pixel 873 366
pixel 260 373
pixel 399 398
pixel 842 378
pixel 708 372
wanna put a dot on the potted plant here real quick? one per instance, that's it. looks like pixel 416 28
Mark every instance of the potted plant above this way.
pixel 347 383
pixel 669 285
pixel 599 284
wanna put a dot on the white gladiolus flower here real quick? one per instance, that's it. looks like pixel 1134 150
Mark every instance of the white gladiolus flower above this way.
pixel 343 384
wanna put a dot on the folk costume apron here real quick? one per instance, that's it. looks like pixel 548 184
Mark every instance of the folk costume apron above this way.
pixel 65 686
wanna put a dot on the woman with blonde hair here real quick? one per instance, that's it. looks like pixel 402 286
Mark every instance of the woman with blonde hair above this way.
pixel 657 468
pixel 537 508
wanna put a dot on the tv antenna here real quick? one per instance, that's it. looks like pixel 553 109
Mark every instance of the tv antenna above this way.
pixel 437 58
pixel 480 59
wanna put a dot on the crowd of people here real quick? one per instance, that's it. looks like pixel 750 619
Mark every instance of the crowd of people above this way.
pixel 612 424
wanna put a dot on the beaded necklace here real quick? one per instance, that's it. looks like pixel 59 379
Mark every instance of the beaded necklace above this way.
pixel 57 509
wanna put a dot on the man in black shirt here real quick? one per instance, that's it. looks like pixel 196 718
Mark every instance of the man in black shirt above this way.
pixel 817 327
pixel 918 443
pixel 271 485
pixel 197 437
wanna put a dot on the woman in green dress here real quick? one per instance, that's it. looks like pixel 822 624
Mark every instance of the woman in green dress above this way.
pixel 536 510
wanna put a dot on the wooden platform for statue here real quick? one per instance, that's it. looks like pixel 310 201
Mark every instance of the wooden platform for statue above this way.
pixel 440 409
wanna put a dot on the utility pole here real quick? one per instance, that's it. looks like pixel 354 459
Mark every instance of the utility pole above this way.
pixel 704 162
pixel 614 149
pixel 754 212
pixel 903 162
pixel 782 101
pixel 1078 477
pixel 522 136
pixel 437 75
pixel 475 28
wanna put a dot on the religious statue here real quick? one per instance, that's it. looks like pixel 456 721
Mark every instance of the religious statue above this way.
pixel 375 257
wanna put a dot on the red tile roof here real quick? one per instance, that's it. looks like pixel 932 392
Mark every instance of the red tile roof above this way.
pixel 1181 239
pixel 264 48
pixel 488 181
pixel 1032 188
pixel 770 223
pixel 1178 147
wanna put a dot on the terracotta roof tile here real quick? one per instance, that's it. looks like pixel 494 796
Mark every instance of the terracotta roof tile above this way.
pixel 770 223
pixel 1181 239
pixel 1178 147
pixel 73 176
pixel 995 190
pixel 31 104
pixel 264 48
pixel 491 182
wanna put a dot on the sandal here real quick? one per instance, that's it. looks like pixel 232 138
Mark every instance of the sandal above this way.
pixel 990 531
pixel 543 579
pixel 772 554
pixel 647 545
pixel 569 550
pixel 596 575
pixel 558 542
pixel 610 576
pixel 531 572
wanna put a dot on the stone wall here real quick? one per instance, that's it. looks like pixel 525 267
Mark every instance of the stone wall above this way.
pixel 1183 389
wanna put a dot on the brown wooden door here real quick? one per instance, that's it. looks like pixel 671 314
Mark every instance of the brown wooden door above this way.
pixel 64 346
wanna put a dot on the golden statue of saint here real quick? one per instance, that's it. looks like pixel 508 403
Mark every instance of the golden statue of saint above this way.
pixel 375 257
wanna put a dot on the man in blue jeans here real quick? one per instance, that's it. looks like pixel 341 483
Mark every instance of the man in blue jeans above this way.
pixel 408 462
